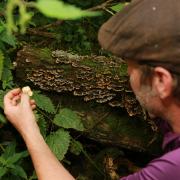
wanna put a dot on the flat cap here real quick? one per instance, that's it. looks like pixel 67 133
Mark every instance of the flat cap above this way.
pixel 144 30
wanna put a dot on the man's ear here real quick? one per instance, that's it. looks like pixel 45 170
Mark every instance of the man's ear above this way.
pixel 162 82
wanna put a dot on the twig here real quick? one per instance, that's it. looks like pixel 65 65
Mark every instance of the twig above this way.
pixel 90 159
pixel 1 146
pixel 100 120
pixel 39 31
pixel 101 6
pixel 107 10
pixel 36 32
pixel 91 128
pixel 56 23
pixel 44 114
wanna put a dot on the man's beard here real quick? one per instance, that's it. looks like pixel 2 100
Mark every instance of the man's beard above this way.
pixel 145 96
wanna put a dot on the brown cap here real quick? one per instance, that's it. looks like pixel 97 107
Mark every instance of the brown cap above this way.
pixel 145 30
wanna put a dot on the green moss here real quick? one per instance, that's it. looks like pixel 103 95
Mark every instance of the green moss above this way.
pixel 67 69
pixel 45 55
pixel 90 63
pixel 122 70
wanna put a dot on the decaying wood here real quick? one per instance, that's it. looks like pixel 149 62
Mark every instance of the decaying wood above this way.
pixel 103 84
pixel 93 77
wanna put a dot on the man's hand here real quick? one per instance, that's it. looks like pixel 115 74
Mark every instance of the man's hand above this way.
pixel 18 109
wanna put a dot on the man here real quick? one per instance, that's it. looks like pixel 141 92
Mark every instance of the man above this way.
pixel 145 34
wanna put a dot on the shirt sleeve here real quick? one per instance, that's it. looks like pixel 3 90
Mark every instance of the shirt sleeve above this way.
pixel 164 168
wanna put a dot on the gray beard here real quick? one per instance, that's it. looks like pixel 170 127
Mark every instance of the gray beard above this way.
pixel 144 96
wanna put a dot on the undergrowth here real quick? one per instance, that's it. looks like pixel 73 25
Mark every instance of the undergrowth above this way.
pixel 55 122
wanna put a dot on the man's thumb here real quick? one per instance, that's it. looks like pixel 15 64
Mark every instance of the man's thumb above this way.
pixel 25 99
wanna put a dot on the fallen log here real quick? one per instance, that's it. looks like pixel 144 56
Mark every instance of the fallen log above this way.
pixel 102 83
pixel 93 77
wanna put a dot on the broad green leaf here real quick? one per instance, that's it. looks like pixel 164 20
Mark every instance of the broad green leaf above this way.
pixel 8 38
pixel 59 143
pixel 2 119
pixel 76 147
pixel 16 157
pixel 1 28
pixel 118 7
pixel 19 171
pixel 43 102
pixel 1 63
pixel 2 93
pixel 2 161
pixel 60 10
pixel 68 119
pixel 9 150
pixel 2 46
pixel 42 124
pixel 7 77
pixel 3 171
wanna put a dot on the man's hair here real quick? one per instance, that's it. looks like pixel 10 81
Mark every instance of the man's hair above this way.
pixel 146 79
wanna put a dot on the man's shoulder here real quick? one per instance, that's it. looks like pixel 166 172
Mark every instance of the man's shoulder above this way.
pixel 165 167
pixel 171 157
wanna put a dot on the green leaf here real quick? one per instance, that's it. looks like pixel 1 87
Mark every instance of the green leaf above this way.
pixel 2 161
pixel 42 124
pixel 19 171
pixel 76 147
pixel 59 143
pixel 60 10
pixel 2 94
pixel 118 7
pixel 3 171
pixel 2 46
pixel 2 28
pixel 2 119
pixel 7 77
pixel 68 119
pixel 16 157
pixel 43 102
pixel 9 150
pixel 1 63
pixel 8 38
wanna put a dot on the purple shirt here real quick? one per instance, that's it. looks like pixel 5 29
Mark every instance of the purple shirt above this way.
pixel 167 167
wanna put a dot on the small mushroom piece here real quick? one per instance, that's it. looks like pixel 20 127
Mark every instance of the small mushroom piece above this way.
pixel 27 90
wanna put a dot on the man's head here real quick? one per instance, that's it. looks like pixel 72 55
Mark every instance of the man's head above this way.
pixel 153 87
pixel 146 34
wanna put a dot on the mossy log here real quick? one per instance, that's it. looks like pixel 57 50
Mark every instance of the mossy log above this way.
pixel 92 77
pixel 103 85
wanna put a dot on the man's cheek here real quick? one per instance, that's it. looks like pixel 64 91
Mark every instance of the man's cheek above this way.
pixel 132 83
